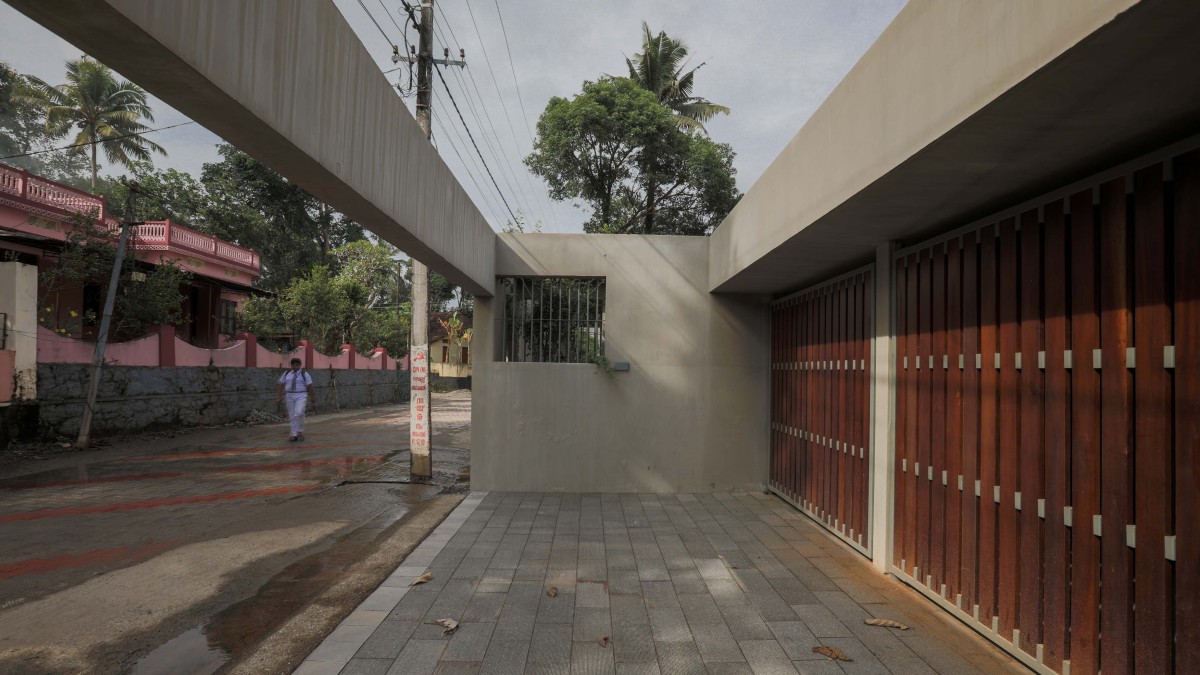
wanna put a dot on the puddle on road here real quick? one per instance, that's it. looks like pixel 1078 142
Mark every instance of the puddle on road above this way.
pixel 187 654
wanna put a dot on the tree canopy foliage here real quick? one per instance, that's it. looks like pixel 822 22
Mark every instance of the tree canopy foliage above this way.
pixel 616 148
pixel 23 131
pixel 661 69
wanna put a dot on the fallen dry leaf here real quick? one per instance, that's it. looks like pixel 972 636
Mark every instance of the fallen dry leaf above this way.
pixel 886 623
pixel 448 625
pixel 552 592
pixel 422 579
pixel 832 653
pixel 604 641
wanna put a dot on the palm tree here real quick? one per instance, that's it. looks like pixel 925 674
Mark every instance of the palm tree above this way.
pixel 659 68
pixel 105 110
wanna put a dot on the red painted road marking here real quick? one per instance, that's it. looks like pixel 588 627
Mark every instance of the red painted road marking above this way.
pixel 148 504
pixel 231 469
pixel 72 560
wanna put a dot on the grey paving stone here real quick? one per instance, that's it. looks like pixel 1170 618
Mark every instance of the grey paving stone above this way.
pixel 814 579
pixel 668 624
pixel 419 657
pixel 620 560
pixel 531 570
pixel 387 641
pixel 592 569
pixel 822 667
pixel 589 658
pixel 629 609
pixel 841 605
pixel 339 652
pixel 766 657
pixel 713 569
pixel 770 606
pixel 548 668
pixel 483 608
pixel 633 643
pixel 591 624
pixel 700 609
pixel 716 643
pixel 726 592
pixel 469 642
pixel 729 669
pixel 591 594
pixel 515 623
pixel 559 609
pixel 821 621
pixel 793 591
pixel 638 669
pixel 624 582
pixel 745 623
pixel 653 570
pixel 412 607
pixel 359 666
pixel 864 661
pixel 551 643
pixel 688 581
pixel 505 658
pixel 659 594
pixel 457 668
pixel 318 668
pixel 591 550
pixel 679 658
pixel 795 638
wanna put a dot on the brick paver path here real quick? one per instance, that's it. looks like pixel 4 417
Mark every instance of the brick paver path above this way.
pixel 704 584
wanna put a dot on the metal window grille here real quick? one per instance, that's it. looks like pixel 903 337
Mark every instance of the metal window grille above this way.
pixel 551 320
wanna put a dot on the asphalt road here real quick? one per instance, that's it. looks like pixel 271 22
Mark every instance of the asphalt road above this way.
pixel 184 554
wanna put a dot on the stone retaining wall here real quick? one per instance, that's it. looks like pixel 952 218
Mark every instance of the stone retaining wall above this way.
pixel 136 398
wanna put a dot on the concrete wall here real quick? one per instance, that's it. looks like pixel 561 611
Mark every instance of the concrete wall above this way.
pixel 958 109
pixel 290 83
pixel 690 415
pixel 135 398
pixel 18 300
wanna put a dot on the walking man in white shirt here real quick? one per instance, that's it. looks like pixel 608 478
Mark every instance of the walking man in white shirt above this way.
pixel 295 385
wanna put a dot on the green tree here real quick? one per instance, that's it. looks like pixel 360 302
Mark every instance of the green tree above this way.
pixel 23 131
pixel 616 148
pixel 660 69
pixel 104 110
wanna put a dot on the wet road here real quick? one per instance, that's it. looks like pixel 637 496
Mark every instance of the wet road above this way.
pixel 168 555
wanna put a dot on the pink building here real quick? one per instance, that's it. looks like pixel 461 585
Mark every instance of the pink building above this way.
pixel 35 215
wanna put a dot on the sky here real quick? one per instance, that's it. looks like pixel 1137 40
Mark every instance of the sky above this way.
pixel 771 61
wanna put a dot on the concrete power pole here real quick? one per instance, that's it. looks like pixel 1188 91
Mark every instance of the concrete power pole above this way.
pixel 419 428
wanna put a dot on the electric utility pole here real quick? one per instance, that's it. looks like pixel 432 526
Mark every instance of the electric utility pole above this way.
pixel 89 405
pixel 419 428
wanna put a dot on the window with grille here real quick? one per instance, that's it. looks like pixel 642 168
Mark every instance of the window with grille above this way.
pixel 228 317
pixel 551 320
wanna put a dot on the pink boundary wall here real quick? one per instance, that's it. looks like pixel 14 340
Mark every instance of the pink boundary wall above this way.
pixel 165 349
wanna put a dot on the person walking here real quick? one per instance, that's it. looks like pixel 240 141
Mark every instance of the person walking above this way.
pixel 296 385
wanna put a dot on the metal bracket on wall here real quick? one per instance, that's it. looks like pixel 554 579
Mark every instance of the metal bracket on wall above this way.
pixel 1168 356
pixel 1067 359
pixel 1068 515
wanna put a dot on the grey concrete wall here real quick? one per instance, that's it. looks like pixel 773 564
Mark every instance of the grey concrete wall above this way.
pixel 956 110
pixel 136 398
pixel 290 83
pixel 690 415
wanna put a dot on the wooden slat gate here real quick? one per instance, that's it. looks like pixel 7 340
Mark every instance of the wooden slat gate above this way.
pixel 821 403
pixel 1047 424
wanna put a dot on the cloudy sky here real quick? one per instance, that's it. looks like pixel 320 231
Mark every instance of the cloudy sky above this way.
pixel 771 61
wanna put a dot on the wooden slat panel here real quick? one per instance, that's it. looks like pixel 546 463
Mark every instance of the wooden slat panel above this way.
pixel 1057 439
pixel 866 306
pixel 971 421
pixel 1186 169
pixel 841 407
pixel 924 421
pixel 900 519
pixel 954 497
pixel 1085 438
pixel 1032 464
pixel 1116 473
pixel 852 527
pixel 1152 468
pixel 988 409
pixel 913 332
pixel 1007 583
pixel 937 456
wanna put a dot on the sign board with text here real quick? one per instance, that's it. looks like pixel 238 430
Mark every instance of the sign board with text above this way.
pixel 419 431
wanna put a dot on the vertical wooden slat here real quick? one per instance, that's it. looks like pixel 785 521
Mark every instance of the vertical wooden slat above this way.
pixel 866 316
pixel 1116 472
pixel 842 407
pixel 924 398
pixel 1186 171
pixel 914 346
pixel 1085 438
pixel 953 349
pixel 1007 583
pixel 970 420
pixel 1031 432
pixel 988 408
pixel 900 518
pixel 1057 439
pixel 852 410
pixel 1153 453
pixel 937 456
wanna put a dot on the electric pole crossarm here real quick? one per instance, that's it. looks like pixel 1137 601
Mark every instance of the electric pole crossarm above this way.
pixel 417 59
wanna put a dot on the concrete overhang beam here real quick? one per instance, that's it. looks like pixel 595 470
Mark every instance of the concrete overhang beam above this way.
pixel 958 111
pixel 288 82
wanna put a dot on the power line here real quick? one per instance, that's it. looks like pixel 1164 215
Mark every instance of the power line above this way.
pixel 468 130
pixel 99 140
pixel 377 26
pixel 485 194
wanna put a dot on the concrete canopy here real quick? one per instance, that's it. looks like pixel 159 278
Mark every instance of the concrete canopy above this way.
pixel 958 110
pixel 288 82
